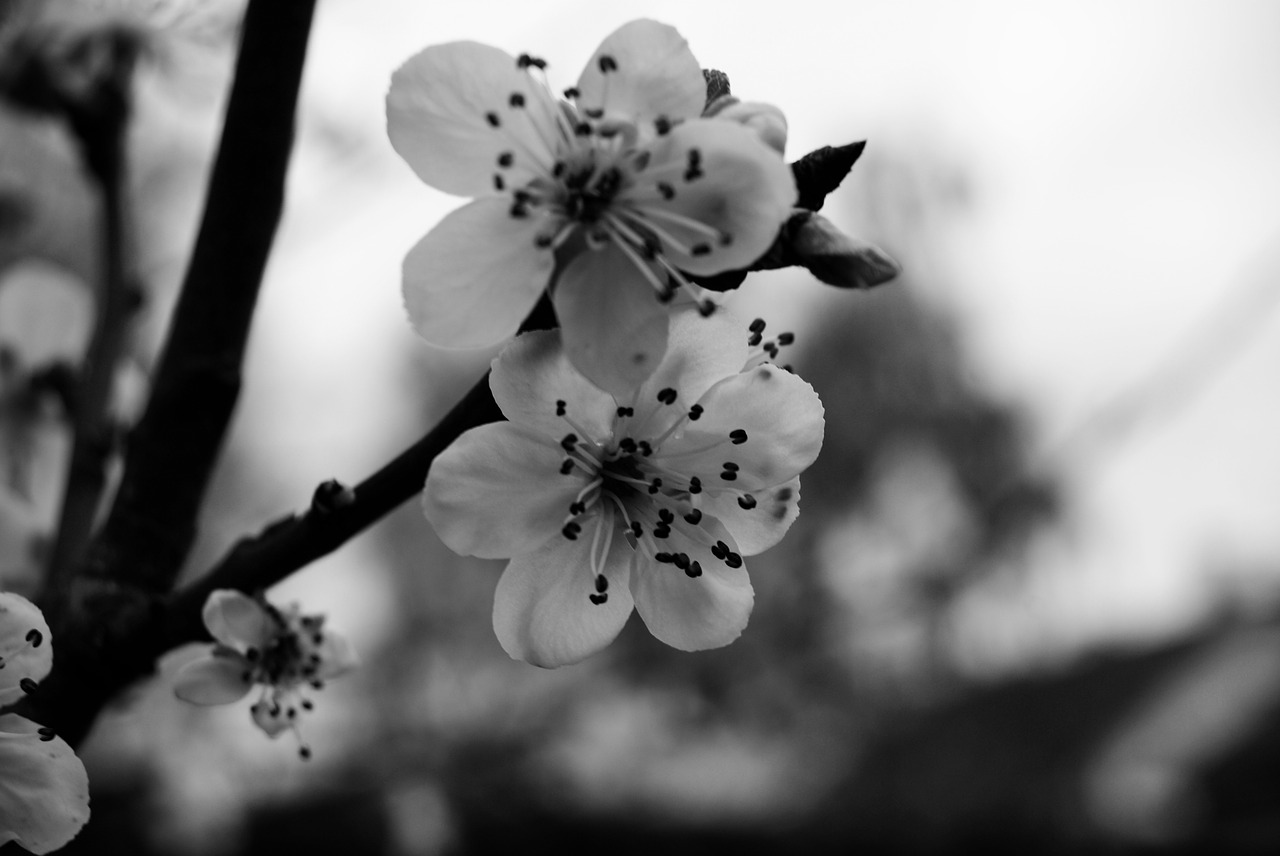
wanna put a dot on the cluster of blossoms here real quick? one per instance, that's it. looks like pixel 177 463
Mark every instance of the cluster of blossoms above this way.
pixel 650 500
pixel 44 790
pixel 647 448
pixel 281 651
pixel 613 197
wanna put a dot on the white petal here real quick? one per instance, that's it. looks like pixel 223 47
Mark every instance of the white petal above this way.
pixel 212 680
pixel 475 276
pixel 542 609
pixel 744 190
pixel 758 528
pixel 693 613
pixel 613 327
pixel 44 790
pixel 781 415
pixel 700 352
pixel 25 645
pixel 533 373
pixel 656 75
pixel 437 118
pixel 497 491
pixel 237 620
pixel 337 656
pixel 270 717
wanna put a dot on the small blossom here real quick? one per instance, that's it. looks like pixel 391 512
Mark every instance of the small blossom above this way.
pixel 44 791
pixel 280 650
pixel 613 196
pixel 650 501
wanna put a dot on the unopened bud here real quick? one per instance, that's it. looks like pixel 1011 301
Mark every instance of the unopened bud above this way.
pixel 765 120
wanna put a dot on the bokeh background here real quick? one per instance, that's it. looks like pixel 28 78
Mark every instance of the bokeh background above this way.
pixel 1031 602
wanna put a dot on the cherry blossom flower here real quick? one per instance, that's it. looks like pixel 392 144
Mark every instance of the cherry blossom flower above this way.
pixel 44 790
pixel 280 650
pixel 612 197
pixel 650 500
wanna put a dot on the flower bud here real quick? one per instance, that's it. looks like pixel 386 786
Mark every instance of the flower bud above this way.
pixel 765 119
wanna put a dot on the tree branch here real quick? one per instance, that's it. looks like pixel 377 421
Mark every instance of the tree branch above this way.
pixel 173 448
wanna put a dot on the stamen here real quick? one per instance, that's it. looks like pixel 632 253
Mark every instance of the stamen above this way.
pixel 516 100
pixel 506 159
pixel 747 501
pixel 667 396
pixel 572 93
pixel 607 64
pixel 738 436
pixel 493 119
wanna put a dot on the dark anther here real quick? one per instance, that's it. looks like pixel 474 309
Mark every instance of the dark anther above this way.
pixel 754 339
pixel 524 61
pixel 693 173
pixel 662 125
pixel 307 704
pixel 46 733
pixel 571 530
pixel 542 242
pixel 602 584
pixel 663 558
pixel 566 467
pixel 757 326
pixel 747 501
pixel 771 349
pixel 560 407
pixel 667 395
pixel 706 308
pixel 667 294
pixel 607 64
pixel 729 475
pixel 695 413
pixel 695 485
pixel 35 637
pixel 720 550
pixel 730 466
pixel 506 159
pixel 733 560
pixel 516 99
pixel 519 211
pixel 577 507
pixel 700 249
pixel 572 92
pixel 640 160
pixel 28 686
pixel 598 599
pixel 738 436
pixel 662 530
pixel 694 570
pixel 582 129
pixel 645 448
pixel 668 192
pixel 292 713
pixel 594 112
pixel 569 443
pixel 694 517
pixel 665 516
pixel 626 411
pixel 783 494
pixel 492 118
pixel 695 157
pixel 627 445
pixel 681 560
pixel 557 170
pixel 636 529
pixel 498 182
pixel 304 752
pixel 654 487
pixel 786 338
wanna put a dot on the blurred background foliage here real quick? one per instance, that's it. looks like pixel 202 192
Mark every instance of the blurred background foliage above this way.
pixel 905 682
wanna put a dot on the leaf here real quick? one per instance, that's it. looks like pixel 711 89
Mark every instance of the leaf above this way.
pixel 821 171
